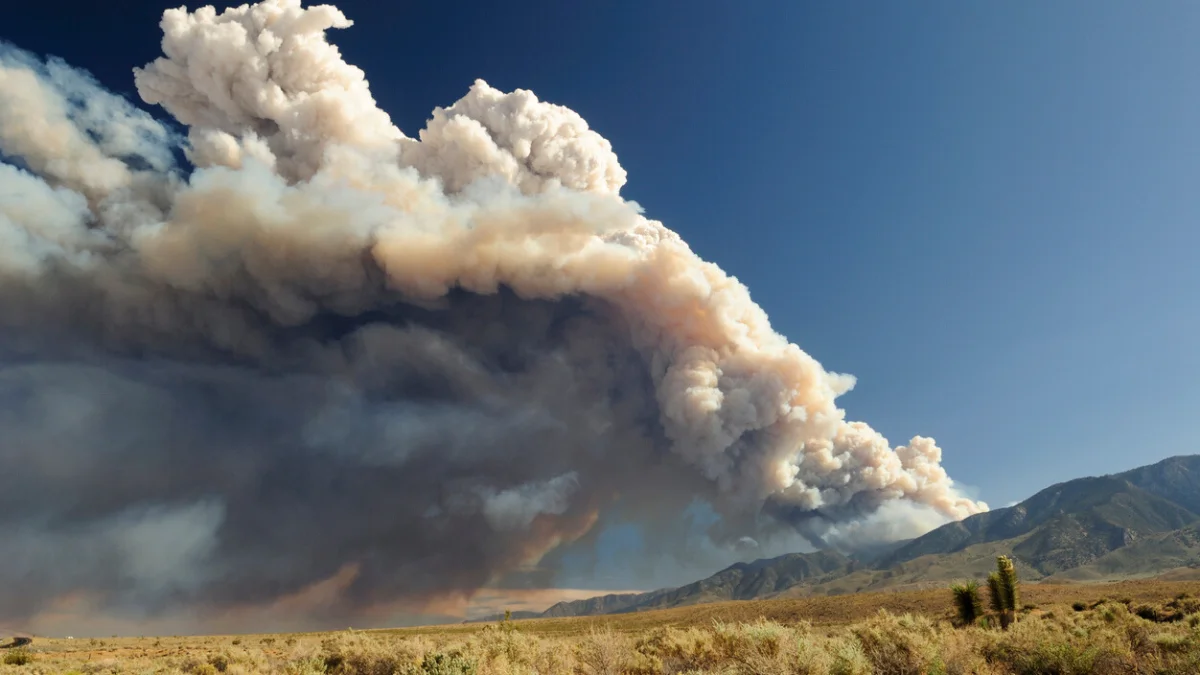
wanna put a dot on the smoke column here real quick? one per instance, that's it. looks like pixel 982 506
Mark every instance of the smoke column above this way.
pixel 299 345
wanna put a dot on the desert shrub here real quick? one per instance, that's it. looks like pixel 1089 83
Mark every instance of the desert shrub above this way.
pixel 1183 605
pixel 765 647
pixel 1175 643
pixel 1139 639
pixel 507 645
pixel 846 657
pixel 1114 612
pixel 603 652
pixel 1060 658
pixel 898 645
pixel 1146 611
pixel 442 664
pixel 361 655
pixel 18 657
pixel 673 650
pixel 220 662
pixel 960 653
pixel 1036 647
pixel 194 666
pixel 551 659
pixel 311 665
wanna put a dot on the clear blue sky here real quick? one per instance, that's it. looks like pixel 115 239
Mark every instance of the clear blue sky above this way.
pixel 985 211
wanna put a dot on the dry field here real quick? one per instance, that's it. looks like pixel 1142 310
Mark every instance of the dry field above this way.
pixel 1148 626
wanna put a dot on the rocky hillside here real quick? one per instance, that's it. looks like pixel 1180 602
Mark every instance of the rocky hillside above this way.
pixel 1138 523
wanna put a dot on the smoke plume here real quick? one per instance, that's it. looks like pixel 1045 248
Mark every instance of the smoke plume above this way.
pixel 295 344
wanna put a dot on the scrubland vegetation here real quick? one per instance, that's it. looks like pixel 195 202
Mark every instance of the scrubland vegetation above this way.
pixel 1122 635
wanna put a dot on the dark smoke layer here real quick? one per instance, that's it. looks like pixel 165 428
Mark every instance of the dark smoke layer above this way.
pixel 326 350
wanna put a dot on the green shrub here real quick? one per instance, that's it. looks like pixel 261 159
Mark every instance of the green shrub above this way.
pixel 193 666
pixel 307 666
pixel 443 664
pixel 1047 654
pixel 1184 604
pixel 18 657
pixel 1175 643
pixel 967 604
pixel 848 658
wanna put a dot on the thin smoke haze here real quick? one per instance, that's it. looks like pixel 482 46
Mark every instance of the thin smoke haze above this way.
pixel 294 344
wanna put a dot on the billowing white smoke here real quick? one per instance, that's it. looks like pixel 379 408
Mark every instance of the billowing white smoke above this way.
pixel 308 202
pixel 729 386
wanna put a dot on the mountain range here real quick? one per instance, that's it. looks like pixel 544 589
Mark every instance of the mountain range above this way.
pixel 1139 523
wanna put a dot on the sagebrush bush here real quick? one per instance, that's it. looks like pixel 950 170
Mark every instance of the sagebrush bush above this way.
pixel 674 650
pixel 1111 638
pixel 18 657
pixel 898 645
pixel 603 651
pixel 442 664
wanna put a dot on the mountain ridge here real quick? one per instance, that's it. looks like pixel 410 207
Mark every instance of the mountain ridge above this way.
pixel 1138 522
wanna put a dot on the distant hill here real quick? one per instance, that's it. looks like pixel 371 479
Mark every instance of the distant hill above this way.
pixel 1072 523
pixel 742 581
pixel 1148 557
pixel 1137 523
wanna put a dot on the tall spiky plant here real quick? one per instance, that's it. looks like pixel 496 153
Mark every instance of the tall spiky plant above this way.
pixel 967 602
pixel 995 593
pixel 1003 590
pixel 1009 585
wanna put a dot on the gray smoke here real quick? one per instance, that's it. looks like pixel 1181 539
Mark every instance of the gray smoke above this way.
pixel 327 346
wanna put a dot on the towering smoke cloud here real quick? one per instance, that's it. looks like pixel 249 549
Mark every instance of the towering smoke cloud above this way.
pixel 310 347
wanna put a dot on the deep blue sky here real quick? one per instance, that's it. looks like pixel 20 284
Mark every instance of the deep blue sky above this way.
pixel 985 211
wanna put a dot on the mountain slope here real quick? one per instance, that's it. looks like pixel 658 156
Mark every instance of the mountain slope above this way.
pixel 1176 479
pixel 1172 550
pixel 758 579
pixel 603 604
pixel 741 581
pixel 1072 523
pixel 1140 522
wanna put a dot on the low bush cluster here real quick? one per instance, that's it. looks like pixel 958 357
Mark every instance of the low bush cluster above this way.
pixel 1103 638
pixel 17 657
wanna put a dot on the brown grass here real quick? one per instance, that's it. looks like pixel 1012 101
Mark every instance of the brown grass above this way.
pixel 832 610
pixel 1127 627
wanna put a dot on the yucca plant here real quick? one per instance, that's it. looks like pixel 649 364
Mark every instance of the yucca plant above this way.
pixel 995 593
pixel 1003 591
pixel 967 602
pixel 1009 585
